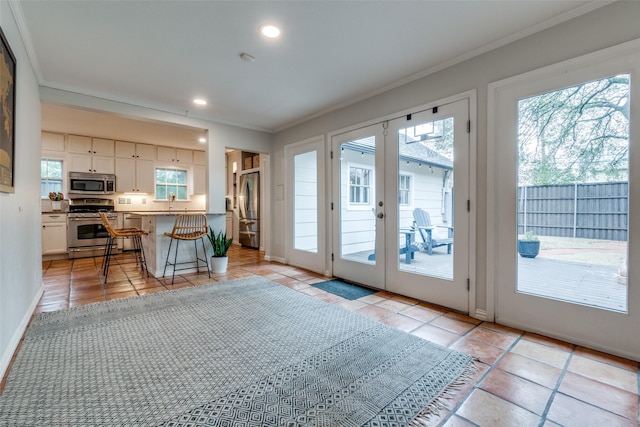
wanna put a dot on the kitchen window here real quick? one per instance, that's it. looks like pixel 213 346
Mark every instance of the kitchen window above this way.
pixel 51 175
pixel 171 182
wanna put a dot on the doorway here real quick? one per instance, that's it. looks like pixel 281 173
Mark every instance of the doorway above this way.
pixel 401 205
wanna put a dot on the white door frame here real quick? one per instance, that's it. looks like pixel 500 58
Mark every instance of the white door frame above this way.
pixel 471 96
pixel 595 328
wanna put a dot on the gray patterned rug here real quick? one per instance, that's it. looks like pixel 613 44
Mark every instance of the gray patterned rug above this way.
pixel 245 352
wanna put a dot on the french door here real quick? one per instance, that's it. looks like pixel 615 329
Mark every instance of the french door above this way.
pixel 566 142
pixel 398 224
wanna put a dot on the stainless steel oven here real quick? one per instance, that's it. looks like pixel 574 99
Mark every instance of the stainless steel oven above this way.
pixel 87 235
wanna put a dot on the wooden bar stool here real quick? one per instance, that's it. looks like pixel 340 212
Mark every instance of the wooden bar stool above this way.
pixel 135 234
pixel 188 227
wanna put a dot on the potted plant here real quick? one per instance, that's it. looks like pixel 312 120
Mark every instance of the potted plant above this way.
pixel 528 245
pixel 220 245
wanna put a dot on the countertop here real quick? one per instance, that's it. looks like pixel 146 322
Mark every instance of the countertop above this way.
pixel 169 213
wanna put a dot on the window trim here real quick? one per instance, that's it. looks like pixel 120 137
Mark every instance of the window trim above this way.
pixel 186 185
pixel 412 181
pixel 372 179
pixel 61 179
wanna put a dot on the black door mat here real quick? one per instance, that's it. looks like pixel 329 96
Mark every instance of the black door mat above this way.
pixel 344 289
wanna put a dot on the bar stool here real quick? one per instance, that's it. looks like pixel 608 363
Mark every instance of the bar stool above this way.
pixel 135 234
pixel 188 227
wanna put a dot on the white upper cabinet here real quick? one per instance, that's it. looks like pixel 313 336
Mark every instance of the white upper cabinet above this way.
pixel 93 155
pixel 200 158
pixel 52 141
pixel 137 151
pixel 175 155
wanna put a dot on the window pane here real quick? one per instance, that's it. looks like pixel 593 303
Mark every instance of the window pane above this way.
pixel 181 193
pixel 573 188
pixel 161 192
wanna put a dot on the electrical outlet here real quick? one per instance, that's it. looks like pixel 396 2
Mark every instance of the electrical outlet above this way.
pixel 121 200
pixel 128 201
pixel 144 200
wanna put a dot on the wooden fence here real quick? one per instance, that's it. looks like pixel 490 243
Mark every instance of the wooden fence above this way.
pixel 590 211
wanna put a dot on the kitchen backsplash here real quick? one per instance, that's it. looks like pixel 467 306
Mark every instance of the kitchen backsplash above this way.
pixel 135 203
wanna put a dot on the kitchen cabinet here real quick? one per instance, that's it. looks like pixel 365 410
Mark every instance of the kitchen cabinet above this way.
pixel 89 163
pixel 52 141
pixel 133 175
pixel 95 146
pixel 199 180
pixel 229 225
pixel 54 234
pixel 176 155
pixel 94 155
pixel 200 158
pixel 136 151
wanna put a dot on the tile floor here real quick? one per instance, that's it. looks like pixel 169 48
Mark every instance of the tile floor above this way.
pixel 522 379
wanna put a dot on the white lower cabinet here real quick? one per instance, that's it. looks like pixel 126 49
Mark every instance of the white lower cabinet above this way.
pixel 54 234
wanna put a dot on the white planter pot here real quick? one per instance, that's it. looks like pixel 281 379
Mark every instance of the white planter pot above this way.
pixel 219 264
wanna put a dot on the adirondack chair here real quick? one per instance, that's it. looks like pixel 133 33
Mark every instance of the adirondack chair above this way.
pixel 422 222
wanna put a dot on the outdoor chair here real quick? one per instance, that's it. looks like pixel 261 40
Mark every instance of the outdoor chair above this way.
pixel 422 223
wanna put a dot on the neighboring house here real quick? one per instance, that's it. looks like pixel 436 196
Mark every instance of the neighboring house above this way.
pixel 425 181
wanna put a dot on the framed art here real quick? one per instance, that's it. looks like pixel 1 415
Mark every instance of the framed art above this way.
pixel 7 115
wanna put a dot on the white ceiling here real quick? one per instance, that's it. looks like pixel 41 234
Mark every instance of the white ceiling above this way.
pixel 162 54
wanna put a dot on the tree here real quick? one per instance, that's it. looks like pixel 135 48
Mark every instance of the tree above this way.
pixel 576 134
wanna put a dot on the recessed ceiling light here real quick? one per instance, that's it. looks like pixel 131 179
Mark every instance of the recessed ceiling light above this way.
pixel 270 31
pixel 200 101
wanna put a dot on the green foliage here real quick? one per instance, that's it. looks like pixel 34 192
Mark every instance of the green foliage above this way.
pixel 575 134
pixel 219 242
pixel 529 237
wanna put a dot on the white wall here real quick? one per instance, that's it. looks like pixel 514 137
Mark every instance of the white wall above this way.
pixel 607 26
pixel 20 222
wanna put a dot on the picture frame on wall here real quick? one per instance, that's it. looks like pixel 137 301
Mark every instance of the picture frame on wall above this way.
pixel 7 115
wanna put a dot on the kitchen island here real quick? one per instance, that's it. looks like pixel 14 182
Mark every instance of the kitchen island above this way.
pixel 156 244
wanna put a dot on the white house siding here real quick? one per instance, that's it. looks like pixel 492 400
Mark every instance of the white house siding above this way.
pixel 305 202
pixel 358 222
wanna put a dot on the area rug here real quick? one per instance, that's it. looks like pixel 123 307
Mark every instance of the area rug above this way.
pixel 344 289
pixel 247 352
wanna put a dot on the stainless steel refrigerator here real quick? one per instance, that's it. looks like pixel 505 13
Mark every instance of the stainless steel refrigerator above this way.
pixel 249 201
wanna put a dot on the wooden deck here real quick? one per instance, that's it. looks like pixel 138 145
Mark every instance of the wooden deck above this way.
pixel 585 284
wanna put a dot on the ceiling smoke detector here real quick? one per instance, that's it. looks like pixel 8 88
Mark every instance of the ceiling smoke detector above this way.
pixel 246 57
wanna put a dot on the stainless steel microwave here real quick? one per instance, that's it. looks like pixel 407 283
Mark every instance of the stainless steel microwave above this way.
pixel 91 183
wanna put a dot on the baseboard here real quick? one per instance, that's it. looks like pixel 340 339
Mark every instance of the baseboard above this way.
pixel 18 333
pixel 567 338
pixel 274 259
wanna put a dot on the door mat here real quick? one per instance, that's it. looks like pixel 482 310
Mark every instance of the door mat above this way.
pixel 344 289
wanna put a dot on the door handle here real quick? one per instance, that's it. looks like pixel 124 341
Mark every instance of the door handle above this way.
pixel 380 215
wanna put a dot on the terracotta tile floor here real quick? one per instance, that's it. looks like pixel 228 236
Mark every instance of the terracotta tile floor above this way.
pixel 522 379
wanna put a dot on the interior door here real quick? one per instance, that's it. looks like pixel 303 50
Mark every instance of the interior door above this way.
pixel 358 209
pixel 386 178
pixel 566 142
pixel 427 196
